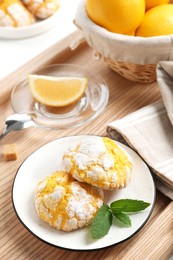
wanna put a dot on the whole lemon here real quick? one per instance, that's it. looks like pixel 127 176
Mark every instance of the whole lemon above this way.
pixel 119 16
pixel 157 21
pixel 152 3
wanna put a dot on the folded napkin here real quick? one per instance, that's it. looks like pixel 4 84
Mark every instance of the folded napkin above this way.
pixel 149 131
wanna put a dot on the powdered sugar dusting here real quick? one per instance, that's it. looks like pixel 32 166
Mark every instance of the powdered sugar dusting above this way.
pixel 77 190
pixel 81 160
pixel 107 161
pixel 65 203
pixel 41 186
pixel 98 161
pixel 92 147
pixel 58 193
pixel 90 151
pixel 80 204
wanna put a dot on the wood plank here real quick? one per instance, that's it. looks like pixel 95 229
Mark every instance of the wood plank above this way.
pixel 157 241
pixel 125 97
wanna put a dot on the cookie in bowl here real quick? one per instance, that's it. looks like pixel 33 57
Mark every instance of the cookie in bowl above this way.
pixel 14 14
pixel 100 162
pixel 42 9
pixel 66 204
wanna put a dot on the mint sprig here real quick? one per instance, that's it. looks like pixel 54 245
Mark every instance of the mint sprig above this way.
pixel 128 205
pixel 102 222
pixel 123 218
pixel 119 209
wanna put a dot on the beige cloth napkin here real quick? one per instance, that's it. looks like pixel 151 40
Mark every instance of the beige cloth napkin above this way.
pixel 149 131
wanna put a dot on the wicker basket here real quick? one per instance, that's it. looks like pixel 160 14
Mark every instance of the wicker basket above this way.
pixel 134 72
pixel 134 58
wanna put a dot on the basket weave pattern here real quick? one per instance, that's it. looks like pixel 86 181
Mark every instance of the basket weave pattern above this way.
pixel 134 72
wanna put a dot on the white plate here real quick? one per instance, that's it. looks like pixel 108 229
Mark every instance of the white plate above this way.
pixel 30 30
pixel 45 161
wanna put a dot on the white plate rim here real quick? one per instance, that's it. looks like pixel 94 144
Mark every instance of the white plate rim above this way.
pixel 82 250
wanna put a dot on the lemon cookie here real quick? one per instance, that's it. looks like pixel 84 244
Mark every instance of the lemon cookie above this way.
pixel 100 162
pixel 65 203
pixel 42 8
pixel 14 14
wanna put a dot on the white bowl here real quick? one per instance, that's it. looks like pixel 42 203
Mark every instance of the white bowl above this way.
pixel 30 30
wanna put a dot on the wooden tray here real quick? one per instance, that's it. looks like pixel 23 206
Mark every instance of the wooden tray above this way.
pixel 154 241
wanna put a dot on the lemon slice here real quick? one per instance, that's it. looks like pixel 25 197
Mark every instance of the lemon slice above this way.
pixel 56 91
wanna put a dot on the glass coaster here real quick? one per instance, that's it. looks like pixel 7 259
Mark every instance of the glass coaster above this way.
pixel 87 108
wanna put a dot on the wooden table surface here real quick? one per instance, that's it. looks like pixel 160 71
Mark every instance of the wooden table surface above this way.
pixel 154 241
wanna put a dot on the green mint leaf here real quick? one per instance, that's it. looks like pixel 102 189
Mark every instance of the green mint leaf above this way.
pixel 124 218
pixel 101 223
pixel 128 205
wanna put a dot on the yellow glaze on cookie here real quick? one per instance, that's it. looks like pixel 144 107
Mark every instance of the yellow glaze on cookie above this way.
pixel 65 203
pixel 100 162
pixel 121 161
pixel 14 14
pixel 42 8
